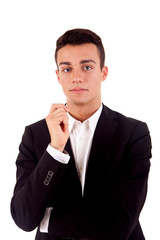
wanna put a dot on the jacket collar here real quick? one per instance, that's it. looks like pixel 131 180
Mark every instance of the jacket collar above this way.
pixel 92 121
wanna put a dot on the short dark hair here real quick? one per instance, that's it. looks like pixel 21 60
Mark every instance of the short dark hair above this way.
pixel 80 36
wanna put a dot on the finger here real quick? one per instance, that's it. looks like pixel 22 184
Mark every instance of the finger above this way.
pixel 57 106
pixel 66 119
pixel 59 112
pixel 64 124
pixel 65 127
pixel 58 117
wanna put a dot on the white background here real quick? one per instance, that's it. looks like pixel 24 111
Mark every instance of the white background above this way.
pixel 130 31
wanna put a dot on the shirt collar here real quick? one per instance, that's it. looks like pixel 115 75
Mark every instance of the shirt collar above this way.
pixel 92 120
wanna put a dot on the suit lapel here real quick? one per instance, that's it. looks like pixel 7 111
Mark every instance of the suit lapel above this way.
pixel 102 139
pixel 69 149
pixel 72 170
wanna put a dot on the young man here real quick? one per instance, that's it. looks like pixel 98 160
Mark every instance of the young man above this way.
pixel 82 172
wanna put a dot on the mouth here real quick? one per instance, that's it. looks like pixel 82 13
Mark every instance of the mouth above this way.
pixel 78 90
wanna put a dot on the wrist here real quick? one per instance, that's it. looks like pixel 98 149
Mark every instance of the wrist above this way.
pixel 59 148
pixel 62 157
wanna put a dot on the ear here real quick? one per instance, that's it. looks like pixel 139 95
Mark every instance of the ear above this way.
pixel 104 73
pixel 57 73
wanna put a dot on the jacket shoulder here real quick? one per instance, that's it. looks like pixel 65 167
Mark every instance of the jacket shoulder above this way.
pixel 39 131
pixel 38 125
pixel 126 123
pixel 121 117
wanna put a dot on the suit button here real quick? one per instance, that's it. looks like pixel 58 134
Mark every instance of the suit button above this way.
pixel 50 173
pixel 46 182
pixel 48 178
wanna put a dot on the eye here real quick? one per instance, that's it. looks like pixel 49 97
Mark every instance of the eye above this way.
pixel 87 68
pixel 66 70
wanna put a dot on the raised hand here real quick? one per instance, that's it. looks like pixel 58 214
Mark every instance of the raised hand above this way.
pixel 57 122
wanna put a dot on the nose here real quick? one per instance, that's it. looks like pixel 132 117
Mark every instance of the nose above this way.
pixel 77 76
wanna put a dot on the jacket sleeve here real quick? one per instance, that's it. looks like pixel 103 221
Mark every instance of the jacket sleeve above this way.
pixel 128 191
pixel 37 180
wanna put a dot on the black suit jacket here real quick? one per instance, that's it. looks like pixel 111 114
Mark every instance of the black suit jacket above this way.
pixel 115 184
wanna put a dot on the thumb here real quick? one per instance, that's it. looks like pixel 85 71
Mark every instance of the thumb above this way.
pixel 65 127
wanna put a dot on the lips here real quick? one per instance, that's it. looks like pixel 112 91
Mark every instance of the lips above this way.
pixel 78 90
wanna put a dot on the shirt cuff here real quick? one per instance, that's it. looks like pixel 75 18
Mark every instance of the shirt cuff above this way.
pixel 62 157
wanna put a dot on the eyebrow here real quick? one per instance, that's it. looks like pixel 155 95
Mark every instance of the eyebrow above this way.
pixel 87 61
pixel 81 62
pixel 64 63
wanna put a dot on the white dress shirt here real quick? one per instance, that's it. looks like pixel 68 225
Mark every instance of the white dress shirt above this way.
pixel 81 136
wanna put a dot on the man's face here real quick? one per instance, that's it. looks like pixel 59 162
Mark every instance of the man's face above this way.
pixel 79 73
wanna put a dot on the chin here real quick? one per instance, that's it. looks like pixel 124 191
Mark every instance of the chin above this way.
pixel 78 102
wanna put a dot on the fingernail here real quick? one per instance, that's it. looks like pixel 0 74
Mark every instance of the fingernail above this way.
pixel 66 107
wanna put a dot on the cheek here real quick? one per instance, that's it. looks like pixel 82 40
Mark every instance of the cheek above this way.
pixel 61 80
pixel 96 82
pixel 97 86
pixel 64 86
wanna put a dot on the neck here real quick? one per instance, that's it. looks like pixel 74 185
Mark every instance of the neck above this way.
pixel 82 112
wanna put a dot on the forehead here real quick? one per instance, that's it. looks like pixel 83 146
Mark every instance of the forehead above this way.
pixel 78 53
